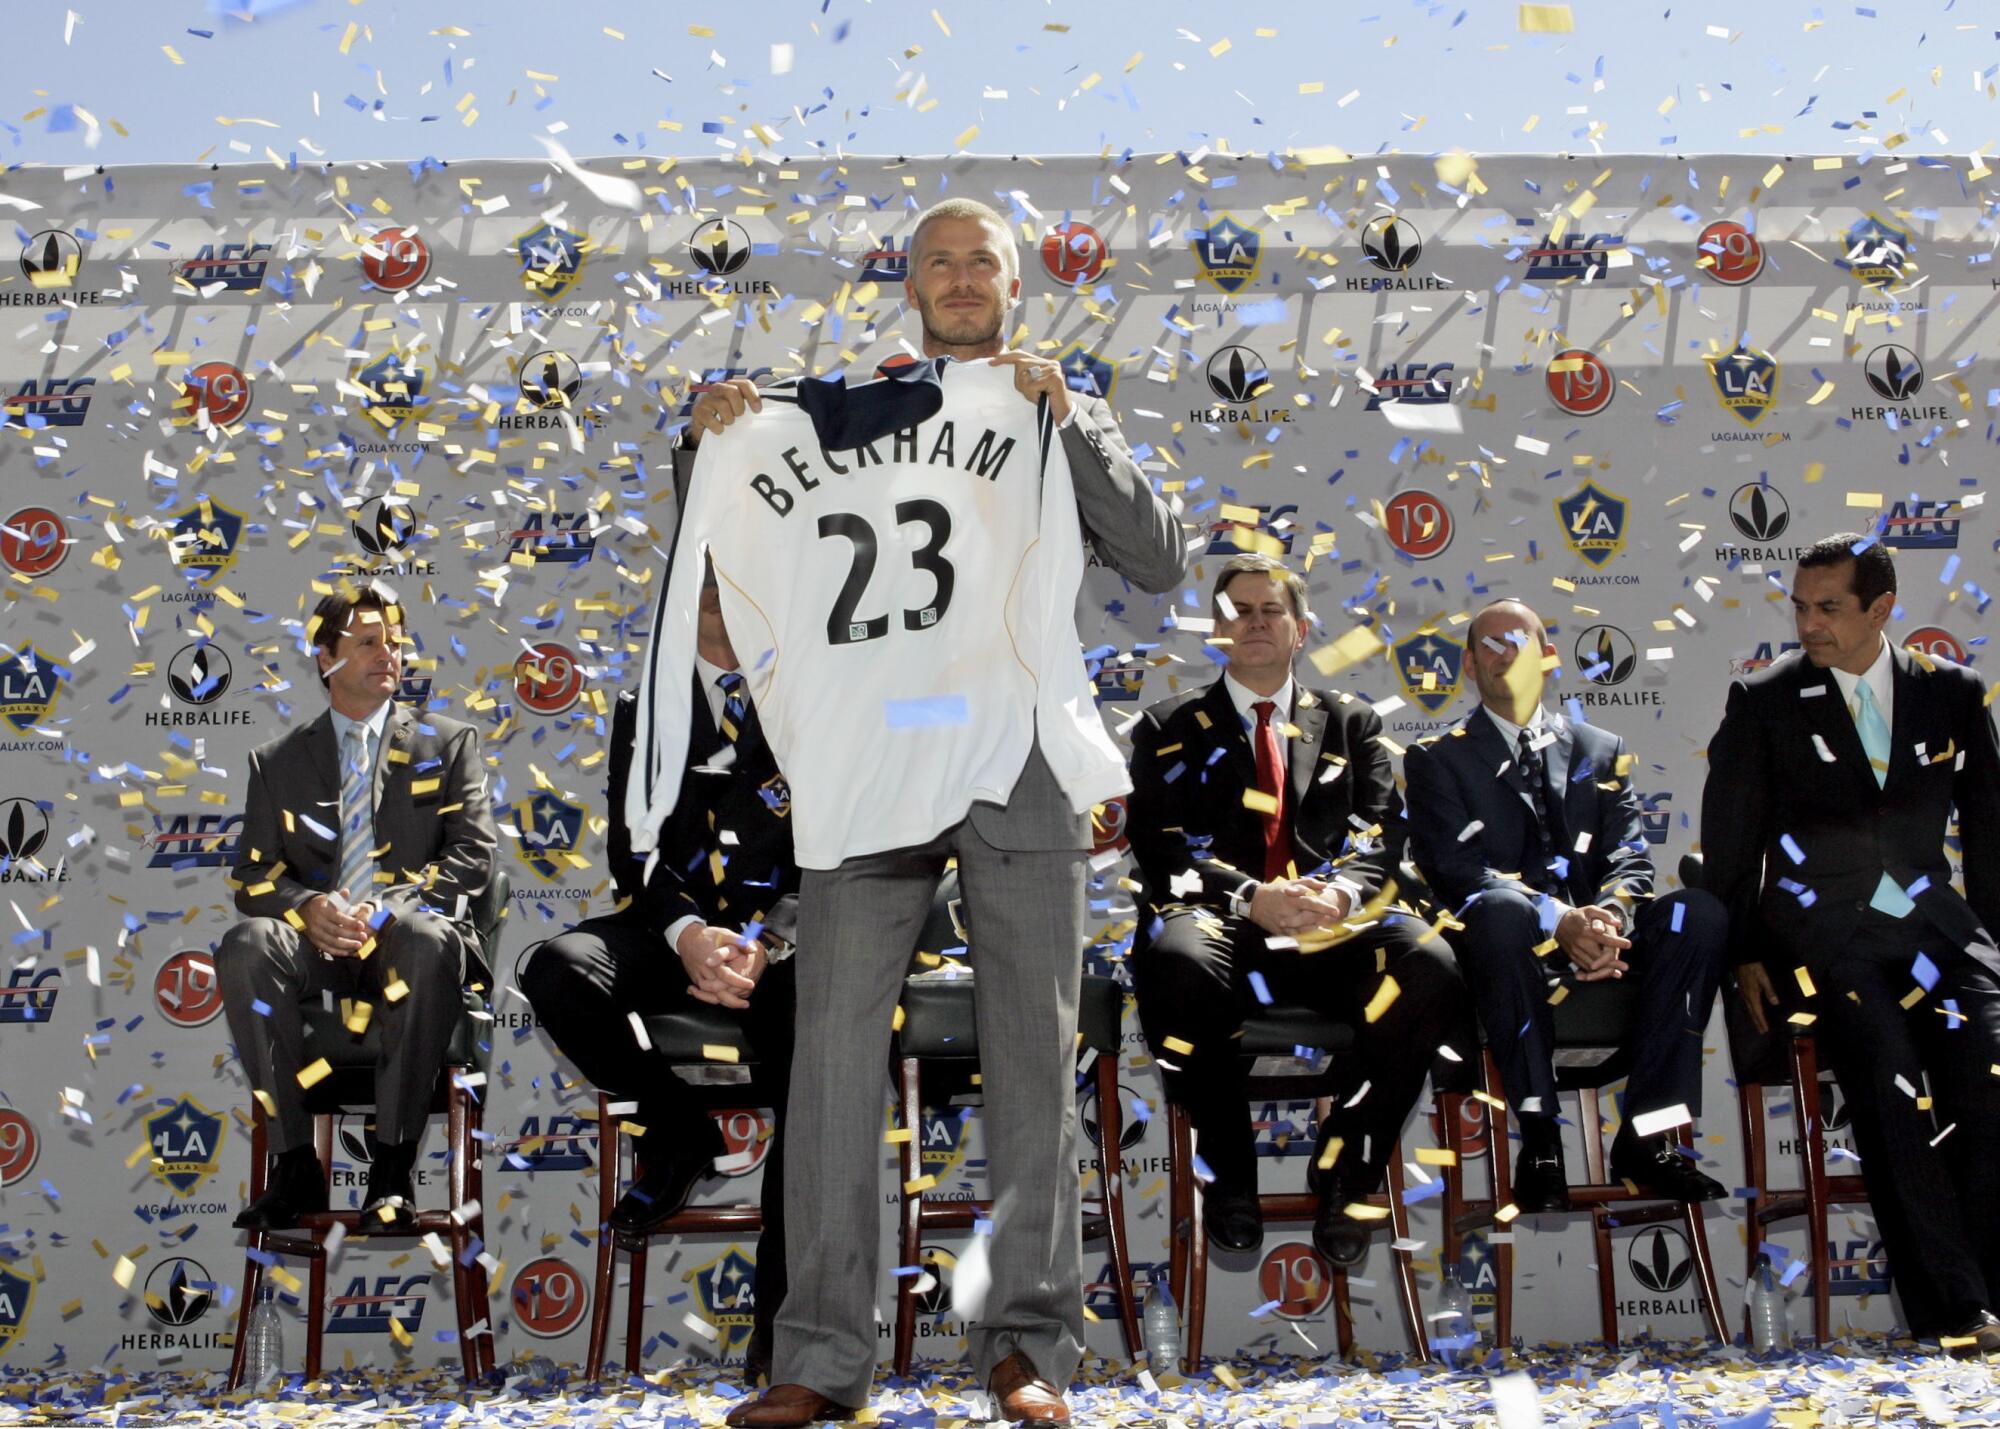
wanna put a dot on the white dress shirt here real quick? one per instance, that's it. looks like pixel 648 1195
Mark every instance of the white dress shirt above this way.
pixel 710 674
pixel 1881 678
pixel 374 725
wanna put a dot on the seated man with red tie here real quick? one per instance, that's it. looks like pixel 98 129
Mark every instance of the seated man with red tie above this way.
pixel 1264 814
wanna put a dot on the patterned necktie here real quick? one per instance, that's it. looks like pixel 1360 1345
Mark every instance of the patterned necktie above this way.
pixel 1529 760
pixel 1874 730
pixel 1270 779
pixel 357 815
pixel 734 705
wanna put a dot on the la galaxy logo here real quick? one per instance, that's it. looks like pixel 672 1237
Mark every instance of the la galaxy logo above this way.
pixel 28 685
pixel 1746 382
pixel 777 796
pixel 16 1295
pixel 394 385
pixel 551 259
pixel 187 1145
pixel 203 539
pixel 1593 522
pixel 1087 373
pixel 1430 664
pixel 1878 252
pixel 549 827
pixel 941 1143
pixel 1228 253
pixel 727 1286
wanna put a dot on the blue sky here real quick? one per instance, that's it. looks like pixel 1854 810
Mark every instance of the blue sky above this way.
pixel 887 77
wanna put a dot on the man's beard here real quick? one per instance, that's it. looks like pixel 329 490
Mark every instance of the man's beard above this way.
pixel 974 330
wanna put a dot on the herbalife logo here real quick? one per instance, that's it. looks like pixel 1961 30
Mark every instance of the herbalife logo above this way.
pixel 1895 375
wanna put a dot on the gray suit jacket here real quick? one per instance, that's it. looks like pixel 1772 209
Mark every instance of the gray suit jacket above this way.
pixel 432 821
pixel 1131 530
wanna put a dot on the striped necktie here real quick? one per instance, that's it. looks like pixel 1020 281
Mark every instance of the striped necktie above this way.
pixel 734 704
pixel 357 815
pixel 1874 731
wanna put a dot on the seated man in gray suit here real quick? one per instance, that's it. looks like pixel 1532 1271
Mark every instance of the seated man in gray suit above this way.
pixel 366 836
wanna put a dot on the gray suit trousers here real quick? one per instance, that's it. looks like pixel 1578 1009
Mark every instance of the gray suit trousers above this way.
pixel 267 960
pixel 858 925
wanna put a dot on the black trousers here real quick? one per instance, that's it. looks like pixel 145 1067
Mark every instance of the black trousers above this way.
pixel 1194 984
pixel 1677 972
pixel 268 961
pixel 1933 1176
pixel 583 983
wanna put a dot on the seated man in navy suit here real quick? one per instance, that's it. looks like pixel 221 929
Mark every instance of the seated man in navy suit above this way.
pixel 1262 815
pixel 1525 826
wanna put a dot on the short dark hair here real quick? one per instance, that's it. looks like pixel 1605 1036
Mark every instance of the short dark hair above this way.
pixel 1256 563
pixel 334 614
pixel 1874 573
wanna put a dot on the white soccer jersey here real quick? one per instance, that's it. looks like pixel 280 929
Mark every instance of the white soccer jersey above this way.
pixel 904 613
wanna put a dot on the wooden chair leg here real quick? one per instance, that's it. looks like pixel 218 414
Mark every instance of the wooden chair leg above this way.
pixel 910 1088
pixel 610 1148
pixel 475 1182
pixel 1501 1160
pixel 1812 1177
pixel 1111 1136
pixel 1607 1285
pixel 1180 1201
pixel 1194 1309
pixel 1451 1136
pixel 458 1192
pixel 1343 1312
pixel 1756 1175
pixel 635 1305
pixel 1404 1263
pixel 316 1272
pixel 1704 1265
pixel 253 1269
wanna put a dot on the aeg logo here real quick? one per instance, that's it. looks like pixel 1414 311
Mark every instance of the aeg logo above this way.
pixel 367 1309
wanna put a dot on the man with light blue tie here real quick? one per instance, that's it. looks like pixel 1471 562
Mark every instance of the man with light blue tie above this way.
pixel 1831 793
pixel 367 836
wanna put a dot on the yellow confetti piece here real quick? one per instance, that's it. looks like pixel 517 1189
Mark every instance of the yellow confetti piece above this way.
pixel 1506 1214
pixel 1176 1044
pixel 718 1052
pixel 1258 800
pixel 318 1072
pixel 1804 980
pixel 1330 1153
pixel 1869 499
pixel 123 1272
pixel 1356 645
pixel 1825 391
pixel 1384 997
pixel 395 991
pixel 1219 48
pixel 1547 20
pixel 396 1327
pixel 172 54
pixel 347 40
pixel 966 138
pixel 426 786
pixel 1221 1372
pixel 1362 1211
pixel 922 1183
pixel 896 1135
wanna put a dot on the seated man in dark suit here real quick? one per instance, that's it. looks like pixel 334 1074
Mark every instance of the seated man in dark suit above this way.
pixel 1525 826
pixel 366 834
pixel 711 917
pixel 1262 813
pixel 1832 785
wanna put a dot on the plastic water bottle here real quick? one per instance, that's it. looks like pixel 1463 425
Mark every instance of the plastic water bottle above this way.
pixel 264 1358
pixel 1454 1331
pixel 1160 1329
pixel 1770 1325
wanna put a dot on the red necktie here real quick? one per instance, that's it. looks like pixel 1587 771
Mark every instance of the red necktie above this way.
pixel 1271 779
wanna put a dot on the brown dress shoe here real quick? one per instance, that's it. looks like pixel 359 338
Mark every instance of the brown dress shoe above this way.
pixel 785 1406
pixel 1022 1396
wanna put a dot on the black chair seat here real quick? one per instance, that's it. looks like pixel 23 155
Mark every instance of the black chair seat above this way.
pixel 1596 1014
pixel 1279 1031
pixel 939 1021
pixel 684 1034
pixel 353 1059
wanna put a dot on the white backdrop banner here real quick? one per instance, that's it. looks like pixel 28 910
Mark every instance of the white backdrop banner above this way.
pixel 1625 390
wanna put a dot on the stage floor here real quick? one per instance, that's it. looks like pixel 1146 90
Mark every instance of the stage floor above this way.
pixel 1643 1386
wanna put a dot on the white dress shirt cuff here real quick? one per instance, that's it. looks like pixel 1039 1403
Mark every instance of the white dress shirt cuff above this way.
pixel 676 928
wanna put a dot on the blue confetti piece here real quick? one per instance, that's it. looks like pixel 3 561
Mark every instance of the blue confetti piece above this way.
pixel 1260 987
pixel 1791 848
pixel 1680 911
pixel 938 710
pixel 260 1007
pixel 1924 971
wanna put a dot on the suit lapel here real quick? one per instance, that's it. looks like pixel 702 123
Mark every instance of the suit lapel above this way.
pixel 323 749
pixel 1309 718
pixel 1827 716
pixel 703 737
pixel 1227 727
pixel 1579 788
pixel 396 734
pixel 1908 731
pixel 1497 755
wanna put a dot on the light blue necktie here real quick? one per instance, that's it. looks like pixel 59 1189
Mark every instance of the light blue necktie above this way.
pixel 357 815
pixel 1889 896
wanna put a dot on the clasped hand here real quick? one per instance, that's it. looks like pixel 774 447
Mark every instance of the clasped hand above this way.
pixel 1290 906
pixel 722 967
pixel 1589 938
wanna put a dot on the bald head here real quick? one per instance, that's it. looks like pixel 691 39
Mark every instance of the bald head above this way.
pixel 1507 649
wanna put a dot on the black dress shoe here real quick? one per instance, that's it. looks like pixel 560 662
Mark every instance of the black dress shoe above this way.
pixel 1232 1217
pixel 390 1205
pixel 1541 1184
pixel 1336 1235
pixel 1658 1166
pixel 1978 1336
pixel 658 1192
pixel 297 1186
